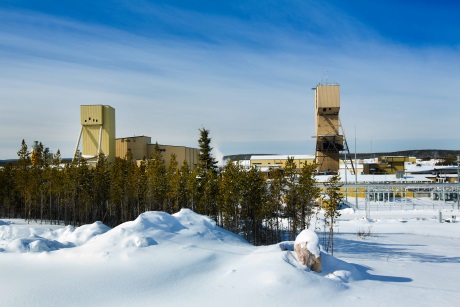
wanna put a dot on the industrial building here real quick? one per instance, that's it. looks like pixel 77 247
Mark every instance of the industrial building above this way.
pixel 388 165
pixel 97 133
pixel 97 136
pixel 267 162
pixel 141 147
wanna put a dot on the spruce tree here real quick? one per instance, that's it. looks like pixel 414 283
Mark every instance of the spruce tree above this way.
pixel 252 202
pixel 23 178
pixel 101 190
pixel 330 207
pixel 183 193
pixel 292 197
pixel 230 187
pixel 157 180
pixel 206 161
pixel 274 205
pixel 309 192
pixel 173 175
pixel 207 175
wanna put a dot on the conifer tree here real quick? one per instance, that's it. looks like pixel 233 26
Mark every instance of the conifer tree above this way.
pixel 157 180
pixel 183 195
pixel 173 174
pixel 252 202
pixel 130 188
pixel 292 197
pixel 207 175
pixel 208 191
pixel 330 207
pixel 309 192
pixel 192 189
pixel 56 187
pixel 82 208
pixel 230 196
pixel 101 191
pixel 274 205
pixel 10 207
pixel 141 187
pixel 23 177
pixel 206 161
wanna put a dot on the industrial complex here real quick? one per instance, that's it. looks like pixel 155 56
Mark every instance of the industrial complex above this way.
pixel 383 178
pixel 332 156
pixel 97 136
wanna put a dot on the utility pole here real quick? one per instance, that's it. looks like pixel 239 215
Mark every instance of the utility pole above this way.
pixel 346 181
pixel 356 176
pixel 458 182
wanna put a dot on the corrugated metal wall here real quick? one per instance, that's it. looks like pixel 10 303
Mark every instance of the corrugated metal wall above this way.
pixel 93 117
pixel 328 96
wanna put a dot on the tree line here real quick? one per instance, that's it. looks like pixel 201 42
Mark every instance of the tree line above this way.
pixel 38 186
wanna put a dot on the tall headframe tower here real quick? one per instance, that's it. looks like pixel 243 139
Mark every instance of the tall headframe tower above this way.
pixel 97 134
pixel 329 142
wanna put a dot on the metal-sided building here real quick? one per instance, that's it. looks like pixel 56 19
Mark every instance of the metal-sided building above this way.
pixel 97 134
pixel 268 162
pixel 388 165
pixel 141 147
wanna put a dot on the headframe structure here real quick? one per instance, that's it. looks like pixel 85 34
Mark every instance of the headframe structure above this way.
pixel 330 137
pixel 97 134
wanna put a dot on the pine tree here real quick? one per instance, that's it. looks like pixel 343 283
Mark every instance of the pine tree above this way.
pixel 330 207
pixel 157 180
pixel 292 197
pixel 56 187
pixel 130 188
pixel 10 207
pixel 206 161
pixel 252 202
pixel 208 191
pixel 309 192
pixel 230 187
pixel 183 191
pixel 173 175
pixel 101 190
pixel 142 185
pixel 82 208
pixel 192 189
pixel 207 175
pixel 23 177
pixel 274 205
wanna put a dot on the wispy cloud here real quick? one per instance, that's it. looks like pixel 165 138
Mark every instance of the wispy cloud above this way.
pixel 247 80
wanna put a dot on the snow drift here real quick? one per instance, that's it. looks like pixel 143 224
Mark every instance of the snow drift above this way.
pixel 184 259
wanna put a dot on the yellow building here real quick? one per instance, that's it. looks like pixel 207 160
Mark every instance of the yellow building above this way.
pixel 267 162
pixel 97 134
pixel 388 165
pixel 141 147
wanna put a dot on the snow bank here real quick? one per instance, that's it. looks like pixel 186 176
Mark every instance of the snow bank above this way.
pixel 80 235
pixel 33 244
pixel 186 259
pixel 148 229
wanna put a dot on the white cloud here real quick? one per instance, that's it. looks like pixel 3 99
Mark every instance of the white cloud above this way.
pixel 247 96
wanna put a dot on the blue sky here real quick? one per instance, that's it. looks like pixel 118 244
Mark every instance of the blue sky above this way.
pixel 243 69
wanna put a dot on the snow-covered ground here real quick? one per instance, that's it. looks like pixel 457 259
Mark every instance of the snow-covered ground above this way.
pixel 397 258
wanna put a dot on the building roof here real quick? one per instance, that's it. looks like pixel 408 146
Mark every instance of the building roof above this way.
pixel 282 157
pixel 389 178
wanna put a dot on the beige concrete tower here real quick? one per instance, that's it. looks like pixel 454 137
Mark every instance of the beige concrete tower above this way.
pixel 97 134
pixel 329 142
